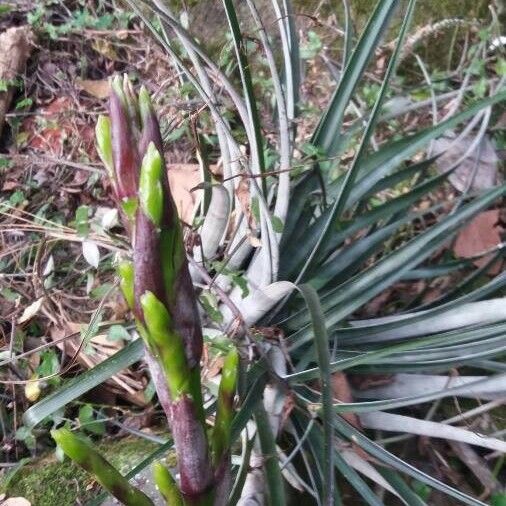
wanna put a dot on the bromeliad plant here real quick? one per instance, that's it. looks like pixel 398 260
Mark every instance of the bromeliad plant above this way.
pixel 156 285
pixel 320 248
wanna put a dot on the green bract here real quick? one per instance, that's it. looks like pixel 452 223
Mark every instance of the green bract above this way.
pixel 167 345
pixel 224 409
pixel 126 275
pixel 87 457
pixel 150 185
pixel 167 485
pixel 104 145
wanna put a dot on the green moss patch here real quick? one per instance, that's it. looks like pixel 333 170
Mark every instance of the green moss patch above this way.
pixel 48 482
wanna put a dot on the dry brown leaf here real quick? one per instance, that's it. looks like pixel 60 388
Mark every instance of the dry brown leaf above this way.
pixel 214 366
pixel 481 234
pixel 31 310
pixel 182 179
pixel 477 174
pixel 50 136
pixel 342 392
pixel 127 384
pixel 10 185
pixel 366 381
pixel 103 341
pixel 242 192
pixel 98 89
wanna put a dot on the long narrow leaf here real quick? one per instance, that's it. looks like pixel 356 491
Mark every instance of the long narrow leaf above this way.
pixel 389 459
pixel 328 130
pixel 340 201
pixel 402 489
pixel 358 290
pixel 494 382
pixel 360 358
pixel 392 155
pixel 77 386
pixel 274 479
pixel 323 359
pixel 399 423
pixel 247 83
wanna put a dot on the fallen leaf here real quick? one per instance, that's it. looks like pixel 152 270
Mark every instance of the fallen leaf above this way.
pixel 10 185
pixel 51 137
pixel 214 366
pixel 126 382
pixel 182 179
pixel 31 310
pixel 91 253
pixel 98 89
pixel 481 234
pixel 104 341
pixel 477 174
pixel 366 381
pixel 107 216
pixel 243 196
pixel 341 392
pixel 58 125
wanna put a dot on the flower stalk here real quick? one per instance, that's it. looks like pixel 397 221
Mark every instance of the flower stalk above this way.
pixel 157 287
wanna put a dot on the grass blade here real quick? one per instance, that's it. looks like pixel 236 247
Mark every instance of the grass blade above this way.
pixel 81 384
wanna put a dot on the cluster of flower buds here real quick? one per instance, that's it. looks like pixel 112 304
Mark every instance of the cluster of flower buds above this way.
pixel 157 283
pixel 157 286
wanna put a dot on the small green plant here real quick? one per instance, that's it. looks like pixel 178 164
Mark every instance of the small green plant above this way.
pixel 43 17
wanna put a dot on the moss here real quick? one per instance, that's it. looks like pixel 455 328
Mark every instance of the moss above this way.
pixel 48 482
